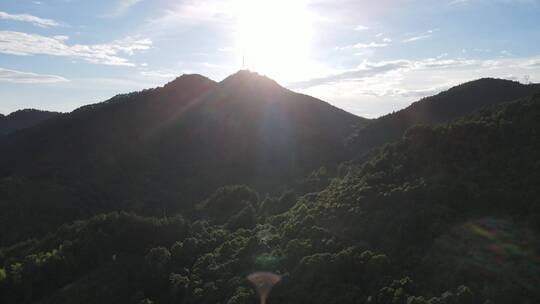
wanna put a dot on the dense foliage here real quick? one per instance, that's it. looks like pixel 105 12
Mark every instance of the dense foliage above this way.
pixel 448 214
pixel 161 151
pixel 441 108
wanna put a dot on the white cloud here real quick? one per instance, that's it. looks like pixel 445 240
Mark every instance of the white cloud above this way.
pixel 515 2
pixel 24 44
pixel 506 53
pixel 369 69
pixel 41 22
pixel 416 38
pixel 362 71
pixel 370 45
pixel 196 12
pixel 439 63
pixel 361 28
pixel 454 2
pixel 387 40
pixel 27 77
pixel 374 88
pixel 61 37
pixel 533 63
pixel 422 36
pixel 121 7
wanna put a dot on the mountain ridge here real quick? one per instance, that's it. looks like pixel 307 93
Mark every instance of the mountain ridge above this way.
pixel 457 199
pixel 22 119
pixel 186 138
pixel 444 107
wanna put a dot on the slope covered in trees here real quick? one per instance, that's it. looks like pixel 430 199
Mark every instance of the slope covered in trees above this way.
pixel 163 150
pixel 23 119
pixel 441 108
pixel 447 214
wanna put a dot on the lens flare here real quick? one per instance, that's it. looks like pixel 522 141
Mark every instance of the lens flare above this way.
pixel 264 281
pixel 496 249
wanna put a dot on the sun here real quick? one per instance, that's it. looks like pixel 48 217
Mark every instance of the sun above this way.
pixel 274 37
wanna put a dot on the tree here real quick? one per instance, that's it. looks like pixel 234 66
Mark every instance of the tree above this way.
pixel 158 258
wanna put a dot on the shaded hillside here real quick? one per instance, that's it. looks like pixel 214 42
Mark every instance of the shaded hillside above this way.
pixel 163 150
pixel 451 205
pixel 443 107
pixel 23 119
pixel 446 214
pixel 251 130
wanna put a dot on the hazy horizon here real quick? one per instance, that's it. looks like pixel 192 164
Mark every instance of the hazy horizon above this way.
pixel 161 85
pixel 366 57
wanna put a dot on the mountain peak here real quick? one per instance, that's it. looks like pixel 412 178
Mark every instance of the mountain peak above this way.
pixel 251 79
pixel 488 83
pixel 30 111
pixel 22 119
pixel 189 79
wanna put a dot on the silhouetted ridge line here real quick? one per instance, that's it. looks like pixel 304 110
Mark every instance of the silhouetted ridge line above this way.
pixel 23 119
pixel 446 106
pixel 166 148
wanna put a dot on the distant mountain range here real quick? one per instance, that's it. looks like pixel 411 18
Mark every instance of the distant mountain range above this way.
pixel 456 102
pixel 176 194
pixel 163 150
pixel 23 119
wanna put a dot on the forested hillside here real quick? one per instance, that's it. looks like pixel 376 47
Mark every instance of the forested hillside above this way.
pixel 446 214
pixel 23 119
pixel 441 108
pixel 161 151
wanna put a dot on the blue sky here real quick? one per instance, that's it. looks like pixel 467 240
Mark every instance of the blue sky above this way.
pixel 367 57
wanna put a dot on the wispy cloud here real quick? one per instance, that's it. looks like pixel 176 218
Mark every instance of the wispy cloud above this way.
pixel 27 77
pixel 378 87
pixel 370 69
pixel 361 28
pixel 371 45
pixel 24 44
pixel 37 21
pixel 418 93
pixel 121 7
pixel 364 70
pixel 506 53
pixel 533 63
pixel 516 2
pixel 422 36
pixel 455 2
pixel 196 12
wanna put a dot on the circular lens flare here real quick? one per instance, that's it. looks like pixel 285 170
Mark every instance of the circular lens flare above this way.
pixel 264 281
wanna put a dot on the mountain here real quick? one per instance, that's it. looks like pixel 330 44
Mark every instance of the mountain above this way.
pixel 446 214
pixel 163 150
pixel 456 102
pixel 23 119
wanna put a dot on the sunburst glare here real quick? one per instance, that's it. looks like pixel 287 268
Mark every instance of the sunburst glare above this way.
pixel 274 37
